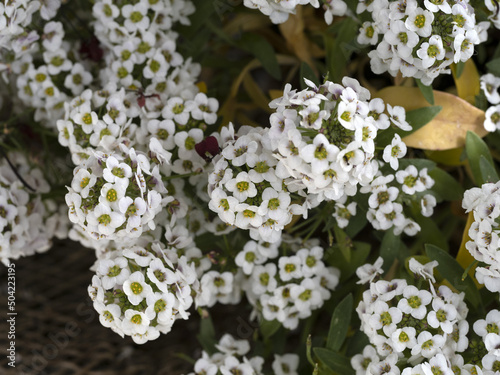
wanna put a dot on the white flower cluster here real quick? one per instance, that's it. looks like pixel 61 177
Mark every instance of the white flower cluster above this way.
pixel 231 359
pixel 51 74
pixel 142 47
pixel 279 10
pixel 245 189
pixel 290 289
pixel 324 138
pixel 484 232
pixel 118 21
pixel 16 18
pixel 488 330
pixel 421 330
pixel 420 39
pixel 388 195
pixel 490 85
pixel 494 15
pixel 116 196
pixel 27 220
pixel 141 291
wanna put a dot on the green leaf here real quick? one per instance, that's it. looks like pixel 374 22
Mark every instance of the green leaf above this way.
pixel 307 72
pixel 339 324
pixel 452 271
pixel 269 328
pixel 263 51
pixel 335 258
pixel 427 91
pixel 343 241
pixel 445 186
pixel 389 249
pixel 475 147
pixel 337 43
pixel 493 67
pixel 418 163
pixel 488 171
pixel 460 68
pixel 420 117
pixel 206 337
pixel 334 361
pixel 357 343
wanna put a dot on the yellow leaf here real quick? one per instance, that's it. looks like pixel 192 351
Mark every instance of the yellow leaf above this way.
pixel 256 94
pixel 448 129
pixel 246 22
pixel 202 86
pixel 464 258
pixel 449 157
pixel 293 31
pixel 468 82
pixel 228 109
pixel 275 94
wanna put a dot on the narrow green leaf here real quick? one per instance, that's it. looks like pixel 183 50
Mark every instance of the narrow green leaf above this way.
pixel 420 117
pixel 307 72
pixel 488 172
pixel 389 249
pixel 426 91
pixel 343 241
pixel 339 324
pixel 475 147
pixel 337 42
pixel 335 258
pixel 269 328
pixel 334 361
pixel 452 271
pixel 460 69
pixel 206 337
pixel 445 186
pixel 263 51
pixel 356 343
pixel 493 66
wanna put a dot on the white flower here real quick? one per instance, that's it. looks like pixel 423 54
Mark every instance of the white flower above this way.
pixel 368 272
pixel 426 271
pixel 290 268
pixel 431 51
pixel 242 187
pixel 136 17
pixel 361 362
pixel 490 85
pixel 249 257
pixel 136 322
pixel 115 170
pixel 492 118
pixel 443 315
pixel 224 205
pixel 428 345
pixel 113 272
pixel 204 108
pixel 419 20
pixel 398 117
pixel 105 219
pixel 136 288
pixel 286 364
pixel 403 338
pixel 230 346
pixel 464 45
pixel 109 315
pixel 394 151
pixel 415 302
